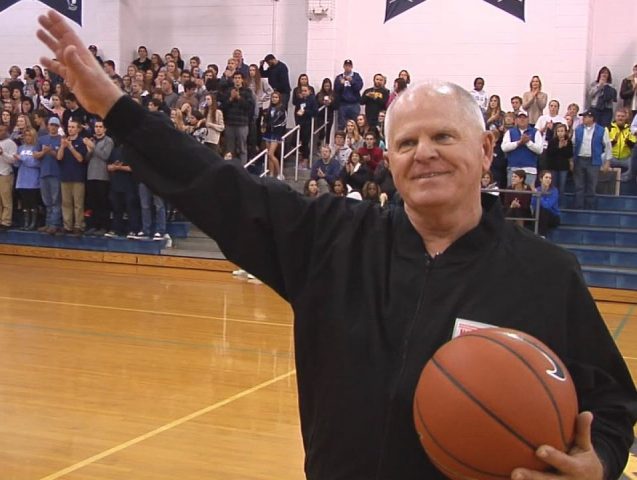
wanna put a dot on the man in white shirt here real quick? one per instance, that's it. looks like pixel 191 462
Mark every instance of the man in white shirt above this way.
pixel 522 144
pixel 592 151
pixel 8 149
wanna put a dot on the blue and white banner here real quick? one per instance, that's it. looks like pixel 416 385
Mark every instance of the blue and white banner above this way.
pixel 72 9
pixel 396 7
pixel 514 7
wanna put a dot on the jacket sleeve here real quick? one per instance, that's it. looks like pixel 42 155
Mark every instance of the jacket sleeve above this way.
pixel 603 383
pixel 626 91
pixel 261 225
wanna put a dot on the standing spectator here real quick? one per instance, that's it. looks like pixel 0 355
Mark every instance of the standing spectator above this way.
pixel 479 95
pixel 261 91
pixel 46 153
pixel 8 150
pixel 516 104
pixel 241 66
pixel 628 91
pixel 404 74
pixel 375 99
pixel 57 107
pixel 305 109
pixel 623 142
pixel 347 89
pixel 363 125
pixel 592 151
pixel 573 111
pixel 278 77
pixel 99 149
pixel 273 126
pixel 325 97
pixel 546 123
pixel 237 112
pixel 142 62
pixel 28 181
pixel 523 144
pixel 601 96
pixel 188 96
pixel 109 68
pixel 74 112
pixel 123 196
pixel 214 123
pixel 534 101
pixel 72 158
pixel 302 81
pixel 494 116
pixel 559 156
pixel 147 201
pixel 353 138
pixel 14 78
pixel 93 50
pixel 176 55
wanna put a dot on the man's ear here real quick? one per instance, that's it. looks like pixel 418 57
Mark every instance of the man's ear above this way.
pixel 386 158
pixel 488 144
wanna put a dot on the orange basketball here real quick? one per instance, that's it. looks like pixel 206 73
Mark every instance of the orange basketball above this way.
pixel 488 399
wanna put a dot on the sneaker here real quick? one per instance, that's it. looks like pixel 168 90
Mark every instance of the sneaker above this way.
pixel 239 273
pixel 131 236
pixel 281 177
pixel 158 237
pixel 169 241
pixel 111 234
pixel 141 236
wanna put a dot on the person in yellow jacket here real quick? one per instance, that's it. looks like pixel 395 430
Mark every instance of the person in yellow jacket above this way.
pixel 623 142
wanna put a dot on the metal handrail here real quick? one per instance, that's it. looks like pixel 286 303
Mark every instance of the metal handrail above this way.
pixel 535 193
pixel 263 153
pixel 314 132
pixel 296 149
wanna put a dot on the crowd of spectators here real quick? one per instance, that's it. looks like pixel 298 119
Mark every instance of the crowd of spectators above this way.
pixel 60 172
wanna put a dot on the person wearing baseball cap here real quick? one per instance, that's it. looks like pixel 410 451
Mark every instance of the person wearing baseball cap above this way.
pixel 347 90
pixel 523 144
pixel 592 150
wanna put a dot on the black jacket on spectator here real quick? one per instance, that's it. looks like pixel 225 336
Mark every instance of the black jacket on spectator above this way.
pixel 375 101
pixel 385 180
pixel 558 158
pixel 237 113
pixel 311 109
pixel 357 179
pixel 371 307
pixel 278 77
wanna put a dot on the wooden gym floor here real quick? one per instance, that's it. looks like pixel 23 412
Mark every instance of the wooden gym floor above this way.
pixel 113 372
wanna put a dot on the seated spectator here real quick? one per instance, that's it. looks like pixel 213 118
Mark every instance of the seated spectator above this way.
pixel 28 181
pixel 380 130
pixel 188 96
pixel 385 180
pixel 516 104
pixel 16 100
pixel 142 62
pixel 355 173
pixel 404 74
pixel 310 188
pixel 374 153
pixel 559 156
pixel 371 193
pixel 353 138
pixel 549 215
pixel 178 119
pixel 361 123
pixel 342 151
pixel 176 55
pixel 488 183
pixel 57 107
pixel 517 206
pixel 623 142
pixel 8 120
pixel 399 86
pixel 325 170
pixel 339 189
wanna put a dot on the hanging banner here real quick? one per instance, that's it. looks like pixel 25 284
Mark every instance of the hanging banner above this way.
pixel 514 7
pixel 396 7
pixel 72 9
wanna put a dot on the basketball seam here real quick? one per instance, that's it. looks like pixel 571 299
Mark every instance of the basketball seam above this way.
pixel 484 408
pixel 544 386
pixel 433 439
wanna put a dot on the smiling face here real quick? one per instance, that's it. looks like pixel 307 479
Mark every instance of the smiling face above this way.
pixel 435 161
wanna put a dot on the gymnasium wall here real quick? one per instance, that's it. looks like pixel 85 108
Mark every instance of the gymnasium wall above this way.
pixel 564 41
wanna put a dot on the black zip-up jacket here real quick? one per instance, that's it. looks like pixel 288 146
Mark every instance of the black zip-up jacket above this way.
pixel 371 307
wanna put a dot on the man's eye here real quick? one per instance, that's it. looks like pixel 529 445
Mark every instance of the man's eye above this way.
pixel 406 144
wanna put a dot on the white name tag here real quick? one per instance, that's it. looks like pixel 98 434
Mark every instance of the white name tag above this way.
pixel 463 326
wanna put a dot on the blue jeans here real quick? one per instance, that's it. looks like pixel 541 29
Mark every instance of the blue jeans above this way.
pixel 147 199
pixel 52 199
pixel 585 179
pixel 559 180
pixel 347 111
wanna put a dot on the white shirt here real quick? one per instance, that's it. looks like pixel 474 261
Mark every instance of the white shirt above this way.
pixel 544 119
pixel 9 149
pixel 535 146
pixel 633 126
pixel 587 140
pixel 481 98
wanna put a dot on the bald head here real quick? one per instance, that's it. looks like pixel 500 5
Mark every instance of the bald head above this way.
pixel 452 95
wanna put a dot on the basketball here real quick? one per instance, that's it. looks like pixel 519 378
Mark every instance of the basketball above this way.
pixel 488 399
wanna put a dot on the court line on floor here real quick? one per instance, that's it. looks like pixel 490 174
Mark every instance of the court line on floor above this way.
pixel 168 426
pixel 623 322
pixel 150 312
